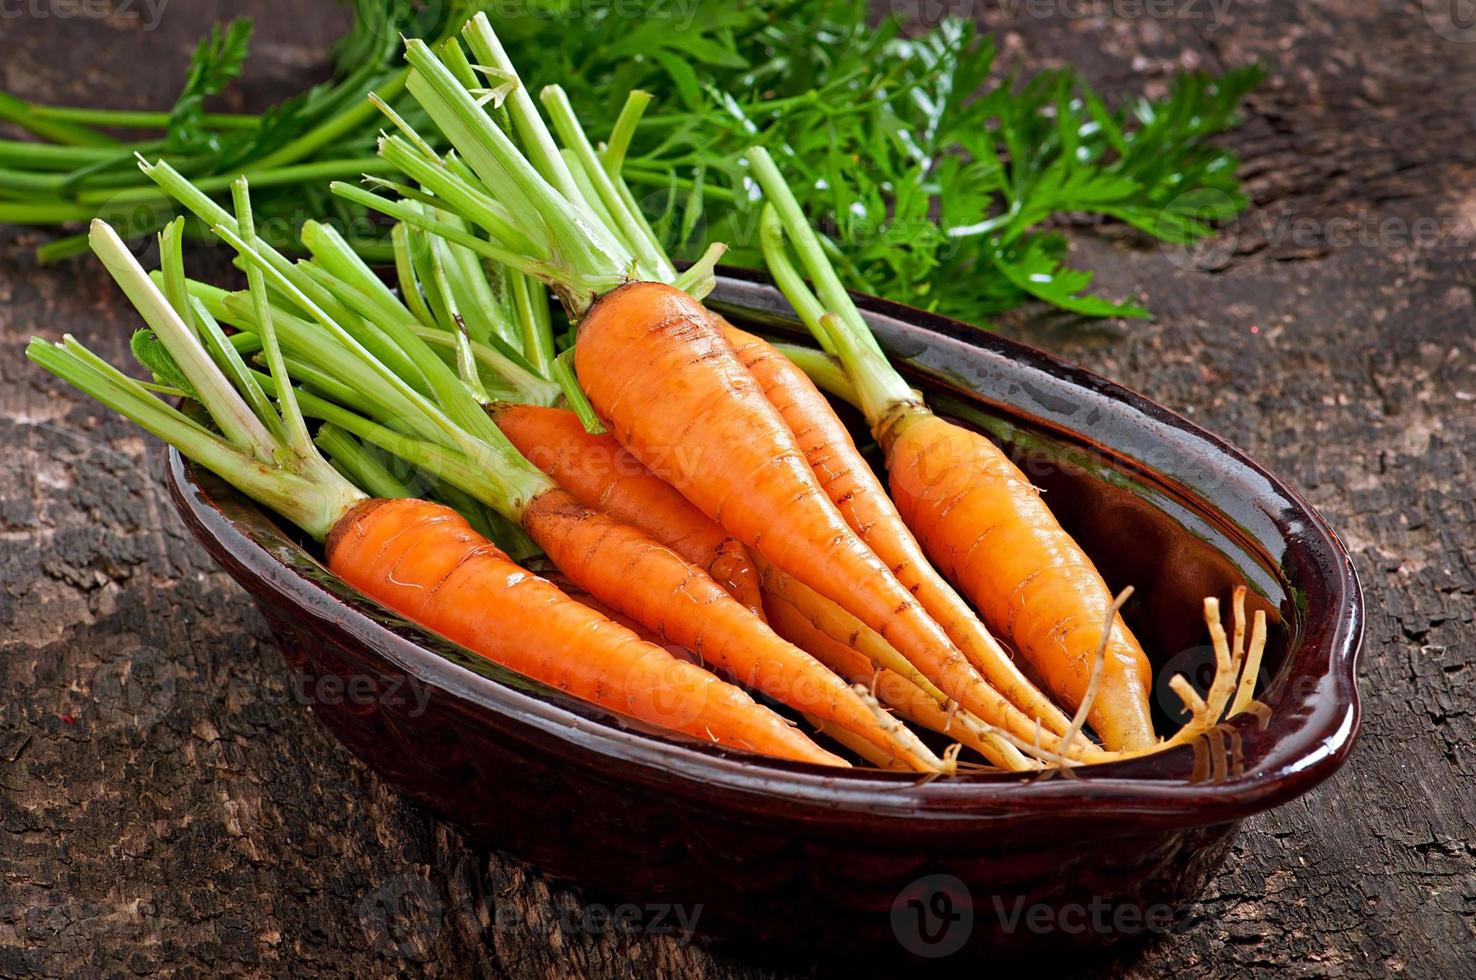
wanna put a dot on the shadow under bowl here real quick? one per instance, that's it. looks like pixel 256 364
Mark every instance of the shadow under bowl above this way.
pixel 795 861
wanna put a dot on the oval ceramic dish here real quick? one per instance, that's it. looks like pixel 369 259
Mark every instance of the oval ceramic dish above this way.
pixel 788 859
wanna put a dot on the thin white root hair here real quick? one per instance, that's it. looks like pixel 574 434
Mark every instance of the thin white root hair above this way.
pixel 905 737
pixel 1237 616
pixel 1251 672
pixel 1099 658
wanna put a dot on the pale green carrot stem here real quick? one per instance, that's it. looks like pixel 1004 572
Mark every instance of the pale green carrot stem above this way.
pixel 235 418
pixel 360 465
pixel 336 127
pixel 405 273
pixel 411 215
pixel 456 192
pixel 532 199
pixel 298 439
pixel 878 385
pixel 613 157
pixel 21 113
pixel 194 314
pixel 556 100
pixel 305 173
pixel 541 150
pixel 313 503
pixel 531 304
pixel 574 397
pixel 823 369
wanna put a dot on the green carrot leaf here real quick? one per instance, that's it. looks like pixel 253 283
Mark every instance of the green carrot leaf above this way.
pixel 218 60
pixel 150 351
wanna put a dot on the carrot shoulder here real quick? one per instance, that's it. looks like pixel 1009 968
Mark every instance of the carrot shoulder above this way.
pixel 602 475
pixel 986 526
pixel 424 561
pixel 854 488
pixel 658 370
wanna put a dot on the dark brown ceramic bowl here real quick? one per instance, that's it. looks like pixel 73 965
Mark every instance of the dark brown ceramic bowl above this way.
pixel 788 859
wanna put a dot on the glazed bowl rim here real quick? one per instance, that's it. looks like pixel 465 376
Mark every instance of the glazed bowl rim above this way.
pixel 1134 791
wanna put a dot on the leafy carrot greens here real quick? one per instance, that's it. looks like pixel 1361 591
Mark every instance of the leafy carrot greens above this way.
pixel 945 181
pixel 217 62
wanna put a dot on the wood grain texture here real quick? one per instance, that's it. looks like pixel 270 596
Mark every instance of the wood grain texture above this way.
pixel 169 805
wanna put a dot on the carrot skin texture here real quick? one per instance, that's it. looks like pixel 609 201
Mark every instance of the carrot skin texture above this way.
pixel 985 525
pixel 425 562
pixel 659 371
pixel 602 475
pixel 647 581
pixel 857 492
pixel 579 594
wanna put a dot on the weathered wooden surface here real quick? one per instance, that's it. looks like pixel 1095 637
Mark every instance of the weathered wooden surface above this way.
pixel 190 815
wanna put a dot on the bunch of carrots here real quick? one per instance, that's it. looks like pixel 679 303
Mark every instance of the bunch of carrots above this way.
pixel 666 518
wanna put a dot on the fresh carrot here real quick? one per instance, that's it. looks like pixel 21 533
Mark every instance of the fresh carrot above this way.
pixel 854 488
pixel 417 557
pixel 973 510
pixel 684 405
pixel 601 474
pixel 574 590
pixel 639 577
pixel 424 561
pixel 643 579
pixel 845 630
pixel 990 531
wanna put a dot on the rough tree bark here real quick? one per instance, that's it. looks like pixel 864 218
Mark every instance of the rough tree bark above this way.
pixel 184 814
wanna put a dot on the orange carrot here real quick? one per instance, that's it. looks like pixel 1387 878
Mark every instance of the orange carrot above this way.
pixel 854 488
pixel 986 526
pixel 583 596
pixel 602 475
pixel 973 511
pixel 655 366
pixel 424 561
pixel 645 580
